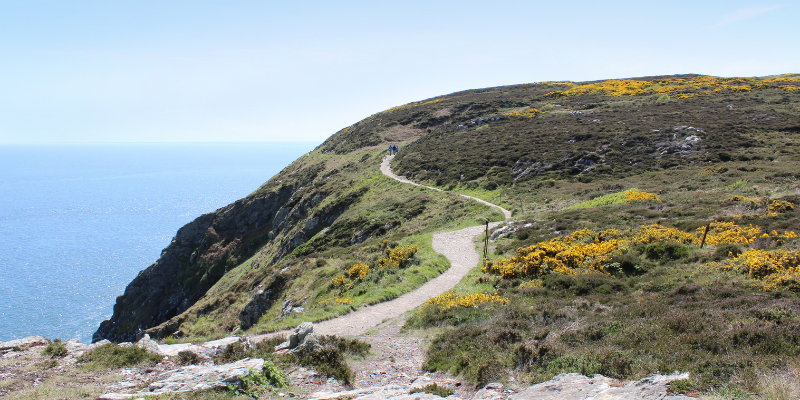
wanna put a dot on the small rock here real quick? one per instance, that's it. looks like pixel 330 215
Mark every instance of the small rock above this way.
pixel 149 344
pixel 296 337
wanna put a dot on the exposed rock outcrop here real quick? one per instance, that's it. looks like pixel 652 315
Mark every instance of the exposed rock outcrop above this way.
pixel 301 339
pixel 562 387
pixel 261 301
pixel 194 378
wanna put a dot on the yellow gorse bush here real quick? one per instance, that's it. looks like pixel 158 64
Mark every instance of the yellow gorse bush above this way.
pixel 658 233
pixel 530 113
pixel 728 233
pixel 777 268
pixel 679 87
pixel 635 195
pixel 398 257
pixel 358 271
pixel 449 300
pixel 779 206
pixel 586 250
pixel 338 281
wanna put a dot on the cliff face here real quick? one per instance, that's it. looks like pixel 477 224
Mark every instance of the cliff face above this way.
pixel 207 248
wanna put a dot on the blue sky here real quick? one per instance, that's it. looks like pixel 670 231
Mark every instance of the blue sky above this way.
pixel 155 71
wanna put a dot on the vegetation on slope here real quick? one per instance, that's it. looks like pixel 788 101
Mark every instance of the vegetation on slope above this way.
pixel 613 184
pixel 343 213
pixel 625 290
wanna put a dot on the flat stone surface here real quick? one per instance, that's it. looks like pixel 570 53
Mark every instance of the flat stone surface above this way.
pixel 389 392
pixel 195 377
pixel 221 343
pixel 173 349
pixel 578 387
pixel 26 341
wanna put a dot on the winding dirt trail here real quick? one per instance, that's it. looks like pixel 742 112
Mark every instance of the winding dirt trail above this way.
pixel 387 170
pixel 400 357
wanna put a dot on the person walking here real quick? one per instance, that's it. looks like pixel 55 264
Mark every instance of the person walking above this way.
pixel 391 148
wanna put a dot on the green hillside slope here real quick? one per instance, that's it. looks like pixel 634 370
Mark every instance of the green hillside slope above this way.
pixel 587 169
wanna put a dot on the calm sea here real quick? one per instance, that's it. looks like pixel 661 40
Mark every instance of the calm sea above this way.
pixel 79 221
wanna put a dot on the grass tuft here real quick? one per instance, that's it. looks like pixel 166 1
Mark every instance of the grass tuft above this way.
pixel 55 349
pixel 111 356
pixel 434 389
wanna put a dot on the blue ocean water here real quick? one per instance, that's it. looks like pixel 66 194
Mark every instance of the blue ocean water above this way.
pixel 79 221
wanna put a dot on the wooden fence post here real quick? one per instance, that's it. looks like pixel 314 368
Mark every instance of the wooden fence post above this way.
pixel 703 242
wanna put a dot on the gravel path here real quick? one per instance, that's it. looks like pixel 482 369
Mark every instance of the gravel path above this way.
pixel 399 357
pixel 387 170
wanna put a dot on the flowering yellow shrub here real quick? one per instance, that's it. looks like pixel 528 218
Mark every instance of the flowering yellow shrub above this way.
pixel 530 113
pixel 449 300
pixel 744 199
pixel 728 233
pixel 413 104
pixel 358 271
pixel 560 255
pixel 779 206
pixel 533 283
pixel 778 268
pixel 635 195
pixel 659 233
pixel 398 257
pixel 586 250
pixel 338 281
pixel 679 87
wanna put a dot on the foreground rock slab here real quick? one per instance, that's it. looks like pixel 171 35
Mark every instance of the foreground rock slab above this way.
pixel 562 387
pixel 193 378
pixel 578 387
pixel 389 392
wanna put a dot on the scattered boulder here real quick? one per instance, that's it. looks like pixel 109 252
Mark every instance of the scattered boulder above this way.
pixel 75 348
pixel 289 308
pixel 149 344
pixel 297 338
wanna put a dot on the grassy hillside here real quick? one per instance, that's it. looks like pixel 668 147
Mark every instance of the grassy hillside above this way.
pixel 612 184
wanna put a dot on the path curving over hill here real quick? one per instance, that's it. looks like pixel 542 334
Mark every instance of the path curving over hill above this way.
pixel 401 356
pixel 457 246
pixel 386 168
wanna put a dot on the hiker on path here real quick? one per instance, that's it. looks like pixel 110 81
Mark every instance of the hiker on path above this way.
pixel 390 149
pixel 395 149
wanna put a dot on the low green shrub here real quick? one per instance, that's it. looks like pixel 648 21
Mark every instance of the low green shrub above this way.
pixel 680 386
pixel 186 358
pixel 234 352
pixel 351 347
pixel 665 251
pixel 55 349
pixel 114 356
pixel 326 360
pixel 724 251
pixel 254 384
